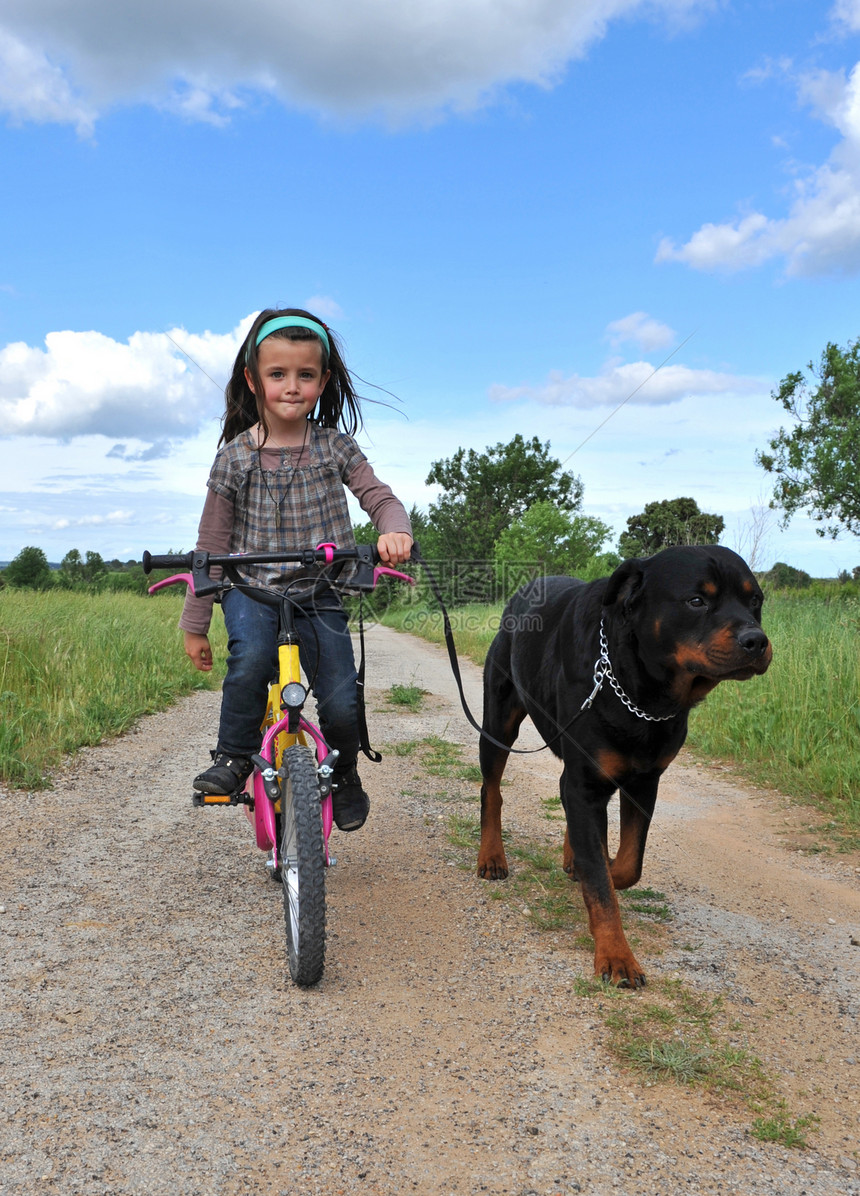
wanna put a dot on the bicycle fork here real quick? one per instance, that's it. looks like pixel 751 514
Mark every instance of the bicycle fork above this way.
pixel 284 725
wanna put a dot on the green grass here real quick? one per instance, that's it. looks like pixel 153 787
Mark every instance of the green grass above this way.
pixel 781 1128
pixel 438 757
pixel 796 730
pixel 75 668
pixel 409 696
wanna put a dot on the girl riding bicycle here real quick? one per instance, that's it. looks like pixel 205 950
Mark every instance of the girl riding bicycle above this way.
pixel 277 485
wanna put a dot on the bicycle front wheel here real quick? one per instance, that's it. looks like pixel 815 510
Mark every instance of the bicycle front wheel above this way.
pixel 303 866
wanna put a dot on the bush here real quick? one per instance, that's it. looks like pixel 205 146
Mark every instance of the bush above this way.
pixel 786 577
pixel 29 570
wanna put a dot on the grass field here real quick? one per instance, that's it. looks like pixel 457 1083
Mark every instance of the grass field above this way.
pixel 77 667
pixel 797 729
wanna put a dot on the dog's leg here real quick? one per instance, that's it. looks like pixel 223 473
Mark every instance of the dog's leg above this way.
pixel 613 959
pixel 503 714
pixel 492 861
pixel 568 859
pixel 614 962
pixel 637 808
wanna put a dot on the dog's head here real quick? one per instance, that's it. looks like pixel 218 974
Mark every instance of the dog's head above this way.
pixel 694 612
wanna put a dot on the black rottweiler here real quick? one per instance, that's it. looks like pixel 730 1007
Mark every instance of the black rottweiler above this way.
pixel 608 672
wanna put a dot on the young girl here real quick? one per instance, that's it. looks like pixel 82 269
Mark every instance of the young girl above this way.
pixel 277 485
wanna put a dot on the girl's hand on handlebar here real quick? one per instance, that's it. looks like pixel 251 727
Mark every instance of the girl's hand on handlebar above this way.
pixel 394 548
pixel 198 651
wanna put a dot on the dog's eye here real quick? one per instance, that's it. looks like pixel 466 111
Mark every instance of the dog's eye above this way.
pixel 697 602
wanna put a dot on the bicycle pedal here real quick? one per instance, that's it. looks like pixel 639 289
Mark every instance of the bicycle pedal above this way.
pixel 216 799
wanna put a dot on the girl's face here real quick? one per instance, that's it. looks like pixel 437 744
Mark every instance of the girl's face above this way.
pixel 293 380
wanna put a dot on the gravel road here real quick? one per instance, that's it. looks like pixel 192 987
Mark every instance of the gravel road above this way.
pixel 151 1042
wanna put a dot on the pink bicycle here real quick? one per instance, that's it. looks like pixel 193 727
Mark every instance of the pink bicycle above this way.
pixel 288 795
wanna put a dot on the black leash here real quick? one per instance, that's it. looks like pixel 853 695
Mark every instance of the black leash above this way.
pixel 363 733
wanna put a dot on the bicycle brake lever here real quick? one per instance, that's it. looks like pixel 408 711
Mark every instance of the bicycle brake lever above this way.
pixel 384 571
pixel 172 581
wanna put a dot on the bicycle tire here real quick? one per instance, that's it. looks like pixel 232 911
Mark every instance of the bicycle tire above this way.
pixel 303 867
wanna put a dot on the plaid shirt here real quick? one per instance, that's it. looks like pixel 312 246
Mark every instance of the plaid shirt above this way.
pixel 289 508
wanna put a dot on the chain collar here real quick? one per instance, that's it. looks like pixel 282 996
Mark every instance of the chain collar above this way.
pixel 603 672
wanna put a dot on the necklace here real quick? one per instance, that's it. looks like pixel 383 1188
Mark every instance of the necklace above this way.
pixel 278 503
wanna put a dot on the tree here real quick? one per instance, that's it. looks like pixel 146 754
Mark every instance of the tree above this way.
pixel 366 533
pixel 815 463
pixel 94 568
pixel 30 570
pixel 77 571
pixel 667 523
pixel 483 493
pixel 785 577
pixel 71 569
pixel 546 541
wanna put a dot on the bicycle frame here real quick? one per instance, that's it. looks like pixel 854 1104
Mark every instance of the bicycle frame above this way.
pixel 277 737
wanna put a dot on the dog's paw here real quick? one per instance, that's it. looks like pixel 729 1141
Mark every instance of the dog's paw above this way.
pixel 622 971
pixel 492 867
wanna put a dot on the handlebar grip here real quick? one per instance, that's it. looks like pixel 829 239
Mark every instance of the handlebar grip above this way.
pixel 173 560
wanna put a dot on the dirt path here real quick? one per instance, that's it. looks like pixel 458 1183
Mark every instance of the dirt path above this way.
pixel 150 1043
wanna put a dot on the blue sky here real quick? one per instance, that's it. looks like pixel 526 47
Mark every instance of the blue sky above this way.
pixel 513 215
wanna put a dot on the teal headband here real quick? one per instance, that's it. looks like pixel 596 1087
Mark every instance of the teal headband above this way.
pixel 271 326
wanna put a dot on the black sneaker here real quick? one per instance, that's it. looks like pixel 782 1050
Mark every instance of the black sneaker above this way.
pixel 350 804
pixel 227 774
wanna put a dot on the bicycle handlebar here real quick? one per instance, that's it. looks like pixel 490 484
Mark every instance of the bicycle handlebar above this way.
pixel 324 554
pixel 199 562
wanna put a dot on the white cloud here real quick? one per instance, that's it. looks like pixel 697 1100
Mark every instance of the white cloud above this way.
pixel 821 233
pixel 635 381
pixel 847 14
pixel 349 58
pixel 146 389
pixel 641 329
pixel 122 518
pixel 32 89
pixel 324 307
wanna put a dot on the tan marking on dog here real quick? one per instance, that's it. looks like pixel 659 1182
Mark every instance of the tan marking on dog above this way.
pixel 625 869
pixel 567 860
pixel 612 764
pixel 691 658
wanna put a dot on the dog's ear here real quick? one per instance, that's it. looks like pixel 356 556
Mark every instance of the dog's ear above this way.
pixel 625 584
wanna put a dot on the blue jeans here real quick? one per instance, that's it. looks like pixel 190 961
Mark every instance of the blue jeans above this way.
pixel 325 649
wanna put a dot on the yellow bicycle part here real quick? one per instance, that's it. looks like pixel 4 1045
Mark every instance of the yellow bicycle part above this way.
pixel 289 670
